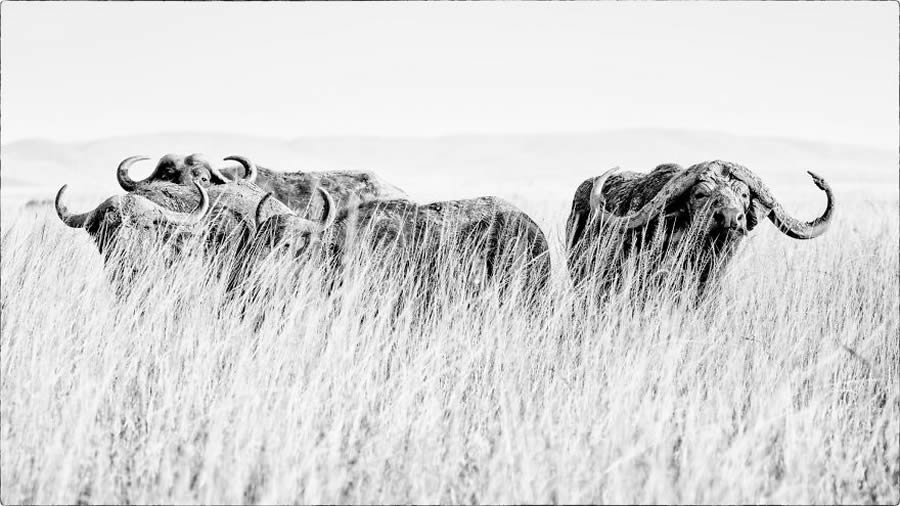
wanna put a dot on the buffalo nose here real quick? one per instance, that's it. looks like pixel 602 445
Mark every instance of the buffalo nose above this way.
pixel 730 218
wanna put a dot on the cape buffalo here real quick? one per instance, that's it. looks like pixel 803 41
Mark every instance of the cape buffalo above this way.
pixel 297 190
pixel 172 168
pixel 705 212
pixel 128 216
pixel 162 214
pixel 487 235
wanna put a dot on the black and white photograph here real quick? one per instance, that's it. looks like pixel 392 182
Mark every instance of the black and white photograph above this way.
pixel 588 252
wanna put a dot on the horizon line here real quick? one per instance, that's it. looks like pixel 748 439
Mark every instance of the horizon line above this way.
pixel 561 133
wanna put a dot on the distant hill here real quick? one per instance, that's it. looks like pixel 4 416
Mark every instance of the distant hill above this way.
pixel 9 181
pixel 455 166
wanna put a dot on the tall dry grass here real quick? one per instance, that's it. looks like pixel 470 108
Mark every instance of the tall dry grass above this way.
pixel 783 388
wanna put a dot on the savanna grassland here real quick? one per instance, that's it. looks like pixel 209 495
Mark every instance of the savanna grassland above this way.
pixel 783 388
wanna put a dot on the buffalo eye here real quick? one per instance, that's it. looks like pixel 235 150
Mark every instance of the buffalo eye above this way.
pixel 202 176
pixel 284 245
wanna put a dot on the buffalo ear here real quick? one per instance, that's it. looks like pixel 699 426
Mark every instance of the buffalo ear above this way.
pixel 755 212
pixel 677 207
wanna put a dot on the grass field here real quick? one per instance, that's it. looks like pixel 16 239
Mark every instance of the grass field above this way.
pixel 784 388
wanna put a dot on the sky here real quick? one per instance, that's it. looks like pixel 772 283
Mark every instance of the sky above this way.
pixel 78 71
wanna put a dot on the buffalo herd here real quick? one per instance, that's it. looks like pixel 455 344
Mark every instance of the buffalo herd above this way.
pixel 671 219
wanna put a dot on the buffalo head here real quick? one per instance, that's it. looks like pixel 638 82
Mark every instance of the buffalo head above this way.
pixel 185 170
pixel 128 215
pixel 290 233
pixel 725 197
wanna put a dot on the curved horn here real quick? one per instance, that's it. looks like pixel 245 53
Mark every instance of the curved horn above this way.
pixel 250 170
pixel 187 219
pixel 597 199
pixel 676 186
pixel 70 219
pixel 125 180
pixel 787 224
pixel 259 207
pixel 215 171
pixel 328 213
pixel 194 158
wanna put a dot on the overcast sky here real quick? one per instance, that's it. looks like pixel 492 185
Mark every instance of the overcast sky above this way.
pixel 78 71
